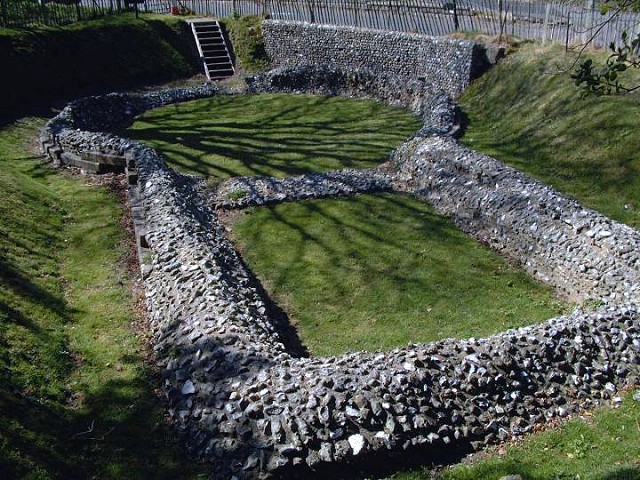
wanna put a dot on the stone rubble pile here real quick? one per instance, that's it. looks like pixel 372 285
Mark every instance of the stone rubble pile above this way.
pixel 245 401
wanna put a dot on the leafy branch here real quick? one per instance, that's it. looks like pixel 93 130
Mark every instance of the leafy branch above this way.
pixel 605 79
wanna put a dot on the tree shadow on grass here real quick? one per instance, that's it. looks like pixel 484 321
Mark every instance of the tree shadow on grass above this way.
pixel 55 431
pixel 281 141
pixel 362 264
pixel 117 433
pixel 362 234
pixel 13 279
pixel 50 428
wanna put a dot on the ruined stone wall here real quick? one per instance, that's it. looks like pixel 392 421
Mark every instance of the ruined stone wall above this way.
pixel 584 255
pixel 447 63
pixel 246 401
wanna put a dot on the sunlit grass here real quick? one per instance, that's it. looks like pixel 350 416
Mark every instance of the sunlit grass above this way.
pixel 377 272
pixel 604 445
pixel 527 112
pixel 273 134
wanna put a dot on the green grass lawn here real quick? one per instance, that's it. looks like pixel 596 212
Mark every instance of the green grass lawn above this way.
pixel 377 272
pixel 76 400
pixel 527 112
pixel 273 134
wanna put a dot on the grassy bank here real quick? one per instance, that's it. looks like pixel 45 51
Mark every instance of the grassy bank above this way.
pixel 527 113
pixel 273 135
pixel 51 62
pixel 378 272
pixel 247 45
pixel 76 400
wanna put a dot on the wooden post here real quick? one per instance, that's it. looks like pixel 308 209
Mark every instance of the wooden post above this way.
pixel 546 23
pixel 500 20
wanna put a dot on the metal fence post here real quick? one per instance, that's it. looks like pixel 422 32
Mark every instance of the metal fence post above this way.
pixel 566 39
pixel 500 21
pixel 356 10
pixel 588 27
pixel 456 23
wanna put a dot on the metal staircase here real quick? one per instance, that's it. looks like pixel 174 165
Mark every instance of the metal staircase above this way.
pixel 212 49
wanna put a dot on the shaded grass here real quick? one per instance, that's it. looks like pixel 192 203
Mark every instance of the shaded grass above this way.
pixel 527 112
pixel 604 445
pixel 273 134
pixel 76 400
pixel 46 63
pixel 377 272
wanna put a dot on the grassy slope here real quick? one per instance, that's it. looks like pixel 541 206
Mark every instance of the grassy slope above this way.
pixel 274 134
pixel 75 398
pixel 47 62
pixel 379 272
pixel 527 114
pixel 246 42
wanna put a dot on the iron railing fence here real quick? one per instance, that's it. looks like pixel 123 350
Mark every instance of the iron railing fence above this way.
pixel 569 22
pixel 31 13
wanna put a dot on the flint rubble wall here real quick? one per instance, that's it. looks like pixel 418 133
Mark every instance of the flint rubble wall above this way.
pixel 246 402
pixel 450 64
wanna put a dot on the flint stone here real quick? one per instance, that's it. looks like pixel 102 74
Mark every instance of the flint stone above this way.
pixel 357 443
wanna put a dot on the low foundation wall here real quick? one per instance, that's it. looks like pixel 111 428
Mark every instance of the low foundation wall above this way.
pixel 249 404
pixel 584 255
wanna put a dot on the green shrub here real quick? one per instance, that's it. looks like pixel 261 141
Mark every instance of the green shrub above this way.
pixel 246 38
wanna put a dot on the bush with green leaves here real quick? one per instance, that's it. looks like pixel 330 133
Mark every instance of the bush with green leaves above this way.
pixel 607 78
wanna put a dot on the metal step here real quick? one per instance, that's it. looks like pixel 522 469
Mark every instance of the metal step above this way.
pixel 213 50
